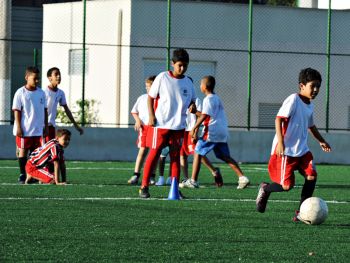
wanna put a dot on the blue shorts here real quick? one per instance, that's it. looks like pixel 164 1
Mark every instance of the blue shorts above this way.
pixel 220 148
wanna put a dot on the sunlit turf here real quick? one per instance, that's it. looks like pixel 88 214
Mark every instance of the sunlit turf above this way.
pixel 99 218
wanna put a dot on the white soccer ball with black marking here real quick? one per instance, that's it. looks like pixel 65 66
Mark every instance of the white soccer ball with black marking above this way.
pixel 313 211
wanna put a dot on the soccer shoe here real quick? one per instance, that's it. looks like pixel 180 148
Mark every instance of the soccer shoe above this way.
pixel 190 184
pixel 218 177
pixel 133 180
pixel 168 181
pixel 152 180
pixel 144 193
pixel 22 179
pixel 243 182
pixel 296 216
pixel 160 181
pixel 261 199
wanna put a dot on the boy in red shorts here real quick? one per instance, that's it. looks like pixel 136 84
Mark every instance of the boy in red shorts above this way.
pixel 30 111
pixel 168 99
pixel 46 163
pixel 290 151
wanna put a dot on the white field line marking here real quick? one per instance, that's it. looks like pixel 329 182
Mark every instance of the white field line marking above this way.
pixel 150 199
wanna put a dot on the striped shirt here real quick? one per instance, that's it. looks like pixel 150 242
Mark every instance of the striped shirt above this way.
pixel 47 154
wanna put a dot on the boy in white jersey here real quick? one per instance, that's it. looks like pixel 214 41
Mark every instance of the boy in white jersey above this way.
pixel 290 151
pixel 140 114
pixel 30 112
pixel 169 97
pixel 55 96
pixel 214 135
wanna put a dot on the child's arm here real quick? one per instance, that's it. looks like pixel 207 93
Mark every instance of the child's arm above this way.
pixel 46 127
pixel 18 117
pixel 324 145
pixel 152 118
pixel 194 131
pixel 280 145
pixel 138 122
pixel 71 118
pixel 57 172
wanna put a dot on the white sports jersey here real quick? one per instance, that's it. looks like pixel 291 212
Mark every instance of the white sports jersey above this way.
pixel 191 118
pixel 141 108
pixel 215 128
pixel 173 97
pixel 53 98
pixel 299 117
pixel 32 106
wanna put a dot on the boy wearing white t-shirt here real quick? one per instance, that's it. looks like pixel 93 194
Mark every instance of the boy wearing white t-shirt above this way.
pixel 55 96
pixel 214 136
pixel 290 151
pixel 140 113
pixel 168 99
pixel 30 112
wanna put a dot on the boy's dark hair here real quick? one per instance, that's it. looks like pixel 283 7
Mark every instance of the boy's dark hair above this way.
pixel 180 54
pixel 151 78
pixel 209 82
pixel 62 132
pixel 309 74
pixel 32 70
pixel 49 72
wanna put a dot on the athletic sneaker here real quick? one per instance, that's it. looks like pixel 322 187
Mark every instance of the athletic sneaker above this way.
pixel 190 184
pixel 144 193
pixel 152 180
pixel 243 182
pixel 22 179
pixel 160 181
pixel 133 180
pixel 261 199
pixel 296 216
pixel 168 181
pixel 218 177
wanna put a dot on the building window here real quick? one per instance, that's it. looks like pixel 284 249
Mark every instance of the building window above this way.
pixel 267 114
pixel 76 62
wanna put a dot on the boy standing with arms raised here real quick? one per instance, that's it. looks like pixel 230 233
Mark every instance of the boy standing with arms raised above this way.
pixel 214 136
pixel 30 111
pixel 290 151
pixel 168 99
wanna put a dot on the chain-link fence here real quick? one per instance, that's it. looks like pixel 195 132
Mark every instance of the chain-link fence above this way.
pixel 255 51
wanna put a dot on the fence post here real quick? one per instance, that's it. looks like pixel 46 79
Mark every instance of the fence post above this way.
pixel 168 35
pixel 35 57
pixel 329 24
pixel 83 69
pixel 250 36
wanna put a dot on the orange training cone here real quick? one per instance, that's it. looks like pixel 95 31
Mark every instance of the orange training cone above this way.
pixel 174 190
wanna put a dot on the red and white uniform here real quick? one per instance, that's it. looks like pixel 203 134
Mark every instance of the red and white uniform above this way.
pixel 141 109
pixel 32 106
pixel 54 98
pixel 297 119
pixel 187 145
pixel 215 125
pixel 42 158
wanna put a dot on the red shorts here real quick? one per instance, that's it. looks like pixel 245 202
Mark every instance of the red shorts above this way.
pixel 159 138
pixel 187 145
pixel 141 139
pixel 40 174
pixel 51 135
pixel 30 143
pixel 281 169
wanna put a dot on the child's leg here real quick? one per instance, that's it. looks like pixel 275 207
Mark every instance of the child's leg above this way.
pixel 22 160
pixel 308 170
pixel 140 159
pixel 184 165
pixel 208 164
pixel 196 167
pixel 150 165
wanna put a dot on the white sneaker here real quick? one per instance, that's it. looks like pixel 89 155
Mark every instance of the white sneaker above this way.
pixel 243 182
pixel 168 181
pixel 160 181
pixel 190 184
pixel 133 180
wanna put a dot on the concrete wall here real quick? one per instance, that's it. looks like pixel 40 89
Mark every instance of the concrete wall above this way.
pixel 110 144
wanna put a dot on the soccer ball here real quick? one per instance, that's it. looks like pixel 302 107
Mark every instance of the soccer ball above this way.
pixel 313 211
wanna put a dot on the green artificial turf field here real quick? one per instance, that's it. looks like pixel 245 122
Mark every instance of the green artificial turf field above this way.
pixel 99 218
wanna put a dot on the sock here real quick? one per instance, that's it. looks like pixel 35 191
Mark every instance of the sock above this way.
pixel 22 165
pixel 274 187
pixel 307 191
pixel 153 176
pixel 137 174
